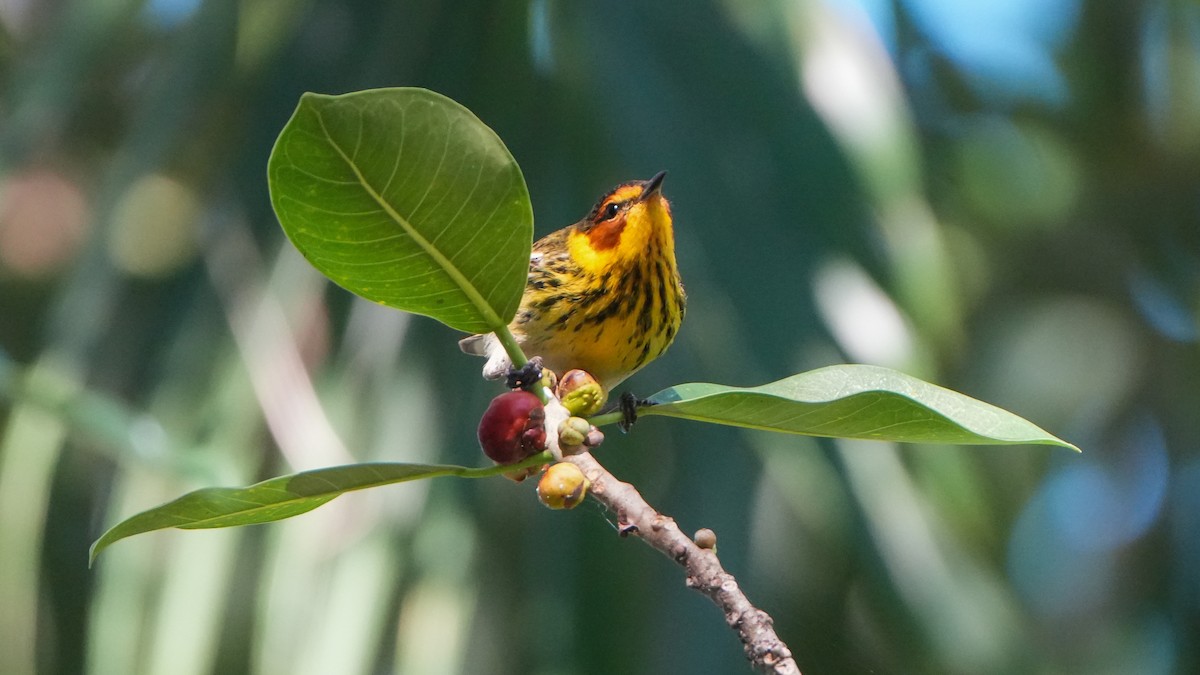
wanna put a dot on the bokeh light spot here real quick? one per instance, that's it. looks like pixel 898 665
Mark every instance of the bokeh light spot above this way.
pixel 153 230
pixel 863 319
pixel 43 222
pixel 1170 71
pixel 1064 546
pixel 1006 45
pixel 165 14
pixel 1017 176
pixel 541 40
pixel 1162 308
pixel 1072 360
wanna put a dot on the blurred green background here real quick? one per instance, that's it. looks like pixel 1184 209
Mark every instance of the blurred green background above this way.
pixel 1000 196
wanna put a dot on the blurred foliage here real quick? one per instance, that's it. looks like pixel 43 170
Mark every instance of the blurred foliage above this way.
pixel 1000 197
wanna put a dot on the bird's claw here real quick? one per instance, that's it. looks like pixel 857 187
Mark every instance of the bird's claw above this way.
pixel 628 406
pixel 526 376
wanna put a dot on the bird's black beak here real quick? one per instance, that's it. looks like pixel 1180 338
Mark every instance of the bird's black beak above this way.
pixel 653 186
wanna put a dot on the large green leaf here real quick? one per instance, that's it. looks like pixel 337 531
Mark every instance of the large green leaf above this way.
pixel 853 401
pixel 406 198
pixel 282 497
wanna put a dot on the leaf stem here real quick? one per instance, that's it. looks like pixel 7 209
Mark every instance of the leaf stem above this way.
pixel 518 358
pixel 505 336
pixel 614 416
pixel 605 418
pixel 543 457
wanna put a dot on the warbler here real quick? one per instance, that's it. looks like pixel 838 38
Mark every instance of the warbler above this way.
pixel 603 295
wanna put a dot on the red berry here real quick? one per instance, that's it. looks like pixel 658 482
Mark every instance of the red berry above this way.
pixel 513 427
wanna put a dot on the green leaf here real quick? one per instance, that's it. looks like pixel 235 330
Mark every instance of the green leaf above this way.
pixel 853 401
pixel 406 198
pixel 283 497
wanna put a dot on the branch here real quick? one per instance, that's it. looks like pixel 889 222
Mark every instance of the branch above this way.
pixel 766 652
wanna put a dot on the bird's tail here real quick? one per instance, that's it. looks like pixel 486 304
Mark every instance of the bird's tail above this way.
pixel 476 345
pixel 487 345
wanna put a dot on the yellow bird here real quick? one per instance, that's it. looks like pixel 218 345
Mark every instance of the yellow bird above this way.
pixel 603 295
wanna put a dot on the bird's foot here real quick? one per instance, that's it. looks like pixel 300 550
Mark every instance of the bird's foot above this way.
pixel 526 376
pixel 628 406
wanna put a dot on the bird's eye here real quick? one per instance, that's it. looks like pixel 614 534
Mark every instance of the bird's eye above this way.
pixel 610 211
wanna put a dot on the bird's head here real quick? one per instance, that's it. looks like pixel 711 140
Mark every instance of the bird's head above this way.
pixel 630 223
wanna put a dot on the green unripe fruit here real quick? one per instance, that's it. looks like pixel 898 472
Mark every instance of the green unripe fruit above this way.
pixel 572 433
pixel 580 393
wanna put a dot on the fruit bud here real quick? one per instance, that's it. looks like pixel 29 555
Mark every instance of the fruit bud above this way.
pixel 580 393
pixel 572 433
pixel 563 486
pixel 549 379
pixel 594 438
pixel 705 538
pixel 513 427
